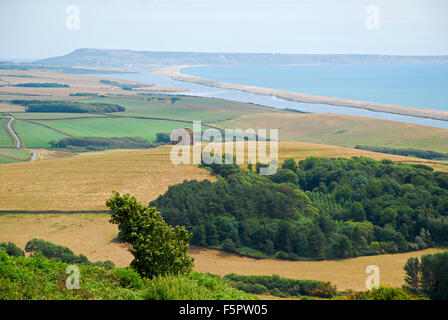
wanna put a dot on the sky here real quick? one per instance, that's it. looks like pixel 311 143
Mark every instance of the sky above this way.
pixel 46 28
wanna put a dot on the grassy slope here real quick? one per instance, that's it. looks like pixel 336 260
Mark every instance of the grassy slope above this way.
pixel 5 160
pixel 36 136
pixel 92 235
pixel 84 182
pixel 5 139
pixel 115 127
pixel 43 279
pixel 19 154
pixel 345 130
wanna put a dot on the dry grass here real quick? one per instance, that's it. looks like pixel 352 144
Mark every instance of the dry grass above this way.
pixel 89 234
pixel 84 182
pixel 301 150
pixel 8 107
pixel 345 274
pixel 92 235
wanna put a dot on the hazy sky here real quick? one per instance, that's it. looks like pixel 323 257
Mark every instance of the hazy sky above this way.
pixel 37 28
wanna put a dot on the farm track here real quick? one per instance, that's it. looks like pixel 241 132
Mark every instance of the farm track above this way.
pixel 12 131
pixel 18 141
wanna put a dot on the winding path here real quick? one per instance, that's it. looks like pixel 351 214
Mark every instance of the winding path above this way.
pixel 17 139
pixel 13 133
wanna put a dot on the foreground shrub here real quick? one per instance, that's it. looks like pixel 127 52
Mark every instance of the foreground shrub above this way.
pixel 387 293
pixel 196 286
pixel 40 278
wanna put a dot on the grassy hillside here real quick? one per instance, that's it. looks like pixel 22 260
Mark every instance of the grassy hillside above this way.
pixel 40 278
pixel 346 131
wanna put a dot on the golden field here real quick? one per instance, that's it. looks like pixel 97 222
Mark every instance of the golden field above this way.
pixel 84 182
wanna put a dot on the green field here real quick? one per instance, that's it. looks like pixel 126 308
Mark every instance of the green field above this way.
pixel 4 160
pixel 187 108
pixel 5 139
pixel 51 115
pixel 115 127
pixel 18 154
pixel 36 136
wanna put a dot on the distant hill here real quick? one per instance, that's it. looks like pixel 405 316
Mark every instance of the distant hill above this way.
pixel 129 58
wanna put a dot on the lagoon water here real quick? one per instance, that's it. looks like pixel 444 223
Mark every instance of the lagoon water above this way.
pixel 269 101
pixel 413 85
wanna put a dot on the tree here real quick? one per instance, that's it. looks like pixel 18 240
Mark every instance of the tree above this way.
pixel 158 249
pixel 428 277
pixel 163 137
pixel 229 245
pixel 284 176
pixel 357 212
pixel 434 275
pixel 412 277
pixel 290 164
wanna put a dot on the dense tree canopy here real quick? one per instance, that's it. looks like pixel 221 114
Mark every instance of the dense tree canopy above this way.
pixel 326 208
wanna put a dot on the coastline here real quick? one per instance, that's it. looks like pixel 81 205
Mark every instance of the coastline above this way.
pixel 174 73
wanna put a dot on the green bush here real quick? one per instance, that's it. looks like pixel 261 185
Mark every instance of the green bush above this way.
pixel 12 249
pixel 60 253
pixel 196 286
pixel 281 287
pixel 129 278
pixel 387 293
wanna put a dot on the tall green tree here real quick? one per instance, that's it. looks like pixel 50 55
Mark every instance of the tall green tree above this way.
pixel 158 249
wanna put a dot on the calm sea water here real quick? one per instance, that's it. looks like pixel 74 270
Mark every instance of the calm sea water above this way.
pixel 414 85
pixel 270 101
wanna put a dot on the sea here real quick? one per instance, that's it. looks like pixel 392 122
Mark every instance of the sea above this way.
pixel 416 85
